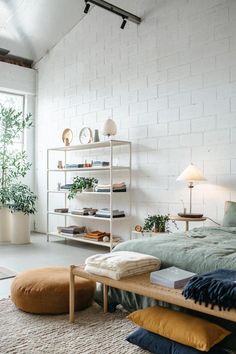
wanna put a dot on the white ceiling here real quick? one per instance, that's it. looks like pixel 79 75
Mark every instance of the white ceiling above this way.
pixel 29 28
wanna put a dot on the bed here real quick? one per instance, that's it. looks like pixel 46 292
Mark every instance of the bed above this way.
pixel 199 250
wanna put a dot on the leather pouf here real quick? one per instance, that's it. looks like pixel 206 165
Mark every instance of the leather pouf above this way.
pixel 46 291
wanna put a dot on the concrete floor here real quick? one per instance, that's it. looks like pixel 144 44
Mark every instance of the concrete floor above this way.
pixel 40 253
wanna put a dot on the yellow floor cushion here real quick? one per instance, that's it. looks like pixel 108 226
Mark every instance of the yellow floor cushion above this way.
pixel 46 291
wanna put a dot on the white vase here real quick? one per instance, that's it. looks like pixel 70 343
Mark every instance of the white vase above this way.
pixel 5 225
pixel 20 228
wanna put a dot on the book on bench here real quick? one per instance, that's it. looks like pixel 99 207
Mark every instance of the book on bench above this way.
pixel 171 277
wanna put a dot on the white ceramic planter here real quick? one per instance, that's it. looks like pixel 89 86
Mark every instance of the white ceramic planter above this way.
pixel 5 225
pixel 20 228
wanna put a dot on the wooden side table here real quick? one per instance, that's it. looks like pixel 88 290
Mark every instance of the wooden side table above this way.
pixel 187 220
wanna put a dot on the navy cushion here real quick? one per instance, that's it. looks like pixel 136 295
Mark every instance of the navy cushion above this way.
pixel 160 345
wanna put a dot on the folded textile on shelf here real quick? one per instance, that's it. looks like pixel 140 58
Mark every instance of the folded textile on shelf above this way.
pixel 73 229
pixel 84 211
pixel 61 210
pixel 66 186
pixel 96 235
pixel 105 213
pixel 121 264
pixel 116 187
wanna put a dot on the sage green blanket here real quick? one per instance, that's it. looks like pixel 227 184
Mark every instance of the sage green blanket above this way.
pixel 200 250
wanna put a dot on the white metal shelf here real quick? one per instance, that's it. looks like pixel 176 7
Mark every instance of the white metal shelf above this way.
pixel 111 169
pixel 83 239
pixel 91 217
pixel 92 193
pixel 89 169
pixel 98 145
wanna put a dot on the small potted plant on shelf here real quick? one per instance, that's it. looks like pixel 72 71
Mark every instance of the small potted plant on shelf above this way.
pixel 22 205
pixel 156 223
pixel 81 184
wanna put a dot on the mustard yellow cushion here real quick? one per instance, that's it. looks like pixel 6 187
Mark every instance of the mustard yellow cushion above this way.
pixel 180 327
pixel 46 291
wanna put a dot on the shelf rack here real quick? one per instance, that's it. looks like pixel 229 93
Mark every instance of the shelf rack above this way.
pixel 109 144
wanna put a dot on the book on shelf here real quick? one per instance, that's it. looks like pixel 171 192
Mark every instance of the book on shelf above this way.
pixel 171 277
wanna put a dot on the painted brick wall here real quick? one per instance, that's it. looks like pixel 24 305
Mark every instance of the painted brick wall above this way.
pixel 170 85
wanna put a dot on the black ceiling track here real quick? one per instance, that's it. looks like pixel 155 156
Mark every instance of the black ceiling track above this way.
pixel 125 15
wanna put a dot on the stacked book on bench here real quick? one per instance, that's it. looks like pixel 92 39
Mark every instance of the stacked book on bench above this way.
pixel 116 187
pixel 105 213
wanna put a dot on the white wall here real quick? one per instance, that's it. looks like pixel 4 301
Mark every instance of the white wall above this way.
pixel 17 79
pixel 170 84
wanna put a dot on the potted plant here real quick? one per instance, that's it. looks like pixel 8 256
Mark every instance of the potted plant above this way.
pixel 156 223
pixel 81 184
pixel 22 205
pixel 13 164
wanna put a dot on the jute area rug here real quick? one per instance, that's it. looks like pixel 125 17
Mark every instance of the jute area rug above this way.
pixel 92 333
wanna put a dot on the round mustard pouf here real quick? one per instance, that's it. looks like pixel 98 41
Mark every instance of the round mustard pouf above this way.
pixel 46 291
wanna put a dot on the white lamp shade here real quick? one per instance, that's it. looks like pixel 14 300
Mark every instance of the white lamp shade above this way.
pixel 191 173
pixel 109 127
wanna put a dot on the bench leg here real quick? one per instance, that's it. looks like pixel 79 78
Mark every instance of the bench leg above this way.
pixel 72 295
pixel 105 297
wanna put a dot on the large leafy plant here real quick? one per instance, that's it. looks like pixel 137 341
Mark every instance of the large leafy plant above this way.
pixel 81 183
pixel 22 199
pixel 13 163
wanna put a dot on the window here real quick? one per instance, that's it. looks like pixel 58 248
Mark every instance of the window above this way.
pixel 17 102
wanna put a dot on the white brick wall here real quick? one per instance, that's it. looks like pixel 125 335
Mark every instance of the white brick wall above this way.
pixel 170 85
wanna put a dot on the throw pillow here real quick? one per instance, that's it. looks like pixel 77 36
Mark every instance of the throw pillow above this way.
pixel 230 214
pixel 158 345
pixel 180 327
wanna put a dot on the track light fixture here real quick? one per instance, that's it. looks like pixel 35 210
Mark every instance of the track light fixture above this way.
pixel 125 15
pixel 123 22
pixel 87 7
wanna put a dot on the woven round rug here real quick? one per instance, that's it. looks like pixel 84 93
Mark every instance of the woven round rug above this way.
pixel 92 333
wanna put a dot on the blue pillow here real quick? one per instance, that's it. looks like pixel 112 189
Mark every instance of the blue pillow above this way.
pixel 160 345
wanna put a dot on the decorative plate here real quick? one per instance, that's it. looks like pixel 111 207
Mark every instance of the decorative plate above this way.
pixel 86 135
pixel 67 136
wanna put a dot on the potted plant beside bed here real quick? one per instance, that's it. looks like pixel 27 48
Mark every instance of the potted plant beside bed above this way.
pixel 81 184
pixel 13 164
pixel 156 223
pixel 22 205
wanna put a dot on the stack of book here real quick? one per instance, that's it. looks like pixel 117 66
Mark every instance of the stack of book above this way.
pixel 73 229
pixel 100 163
pixel 105 213
pixel 96 235
pixel 84 211
pixel 116 187
pixel 171 277
pixel 74 165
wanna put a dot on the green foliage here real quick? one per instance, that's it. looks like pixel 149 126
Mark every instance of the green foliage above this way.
pixel 81 183
pixel 22 199
pixel 156 222
pixel 13 164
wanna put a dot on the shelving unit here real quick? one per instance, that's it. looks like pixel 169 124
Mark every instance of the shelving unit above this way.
pixel 111 145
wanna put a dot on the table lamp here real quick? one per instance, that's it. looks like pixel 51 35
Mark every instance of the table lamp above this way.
pixel 191 174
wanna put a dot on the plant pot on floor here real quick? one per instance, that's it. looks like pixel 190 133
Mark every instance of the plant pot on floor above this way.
pixel 20 228
pixel 5 225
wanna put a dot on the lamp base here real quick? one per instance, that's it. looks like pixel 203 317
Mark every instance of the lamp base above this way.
pixel 190 215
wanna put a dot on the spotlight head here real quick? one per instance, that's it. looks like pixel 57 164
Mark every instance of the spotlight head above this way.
pixel 123 22
pixel 87 7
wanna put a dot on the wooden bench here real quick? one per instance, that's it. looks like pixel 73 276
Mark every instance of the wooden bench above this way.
pixel 140 284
